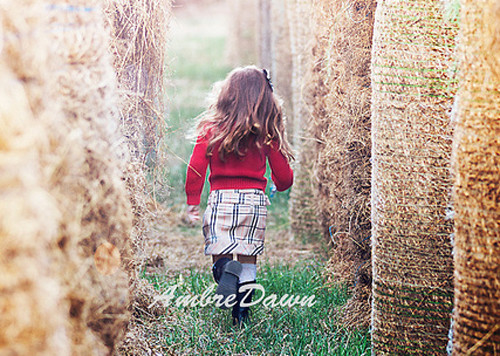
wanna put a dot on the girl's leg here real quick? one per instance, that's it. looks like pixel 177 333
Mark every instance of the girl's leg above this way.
pixel 249 270
pixel 215 258
pixel 247 259
pixel 247 276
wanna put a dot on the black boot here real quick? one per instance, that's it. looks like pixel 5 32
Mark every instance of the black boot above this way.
pixel 241 313
pixel 218 268
pixel 226 275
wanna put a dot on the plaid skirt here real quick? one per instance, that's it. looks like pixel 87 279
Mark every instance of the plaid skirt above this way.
pixel 235 222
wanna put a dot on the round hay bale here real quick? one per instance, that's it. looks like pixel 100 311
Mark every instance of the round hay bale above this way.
pixel 31 298
pixel 476 198
pixel 342 132
pixel 413 87
pixel 87 181
pixel 58 52
pixel 303 216
pixel 139 45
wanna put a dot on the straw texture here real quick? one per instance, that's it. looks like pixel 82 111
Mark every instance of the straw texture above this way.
pixel 476 165
pixel 58 54
pixel 89 186
pixel 413 86
pixel 139 30
pixel 303 216
pixel 33 313
pixel 138 45
pixel 282 62
pixel 342 132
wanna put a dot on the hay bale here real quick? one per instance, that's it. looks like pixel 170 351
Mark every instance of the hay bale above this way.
pixel 31 300
pixel 476 166
pixel 343 144
pixel 413 87
pixel 303 221
pixel 65 69
pixel 138 44
pixel 91 192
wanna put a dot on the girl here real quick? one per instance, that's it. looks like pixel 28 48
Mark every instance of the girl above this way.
pixel 242 128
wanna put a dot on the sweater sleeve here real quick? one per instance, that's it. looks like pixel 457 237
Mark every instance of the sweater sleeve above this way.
pixel 196 172
pixel 281 173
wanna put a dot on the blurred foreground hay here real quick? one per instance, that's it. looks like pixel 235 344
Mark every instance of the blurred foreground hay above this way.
pixel 476 165
pixel 59 56
pixel 413 88
pixel 342 131
pixel 73 156
pixel 33 311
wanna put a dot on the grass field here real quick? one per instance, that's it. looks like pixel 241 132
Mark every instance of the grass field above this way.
pixel 296 330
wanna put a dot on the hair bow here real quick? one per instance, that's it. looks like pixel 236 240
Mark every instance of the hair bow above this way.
pixel 268 78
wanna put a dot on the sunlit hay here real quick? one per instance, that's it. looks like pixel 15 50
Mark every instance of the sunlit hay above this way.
pixel 64 67
pixel 139 44
pixel 139 36
pixel 242 40
pixel 476 166
pixel 342 132
pixel 303 217
pixel 282 62
pixel 91 193
pixel 32 310
pixel 413 88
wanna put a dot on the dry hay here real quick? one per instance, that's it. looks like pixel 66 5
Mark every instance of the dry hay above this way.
pixel 476 165
pixel 342 132
pixel 87 182
pixel 413 87
pixel 242 41
pixel 58 53
pixel 32 317
pixel 304 223
pixel 139 44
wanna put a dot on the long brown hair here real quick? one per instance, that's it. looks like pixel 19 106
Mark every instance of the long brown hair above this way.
pixel 244 111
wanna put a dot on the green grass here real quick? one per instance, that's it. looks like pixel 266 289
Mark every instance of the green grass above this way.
pixel 297 330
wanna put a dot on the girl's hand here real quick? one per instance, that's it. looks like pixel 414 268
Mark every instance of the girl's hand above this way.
pixel 193 214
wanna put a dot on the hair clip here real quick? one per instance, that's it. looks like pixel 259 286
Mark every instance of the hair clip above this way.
pixel 268 78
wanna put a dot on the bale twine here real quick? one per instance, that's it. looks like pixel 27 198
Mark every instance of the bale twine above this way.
pixel 413 87
pixel 302 206
pixel 342 132
pixel 32 308
pixel 476 165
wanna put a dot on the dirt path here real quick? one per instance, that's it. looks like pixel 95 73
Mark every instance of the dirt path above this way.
pixel 174 246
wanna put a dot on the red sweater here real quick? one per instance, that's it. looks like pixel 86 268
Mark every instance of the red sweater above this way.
pixel 235 172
